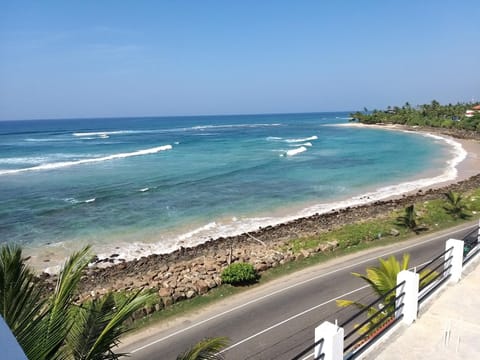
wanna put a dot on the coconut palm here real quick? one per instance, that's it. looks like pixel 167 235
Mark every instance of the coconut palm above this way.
pixel 409 219
pixel 207 349
pixel 98 325
pixel 456 206
pixel 382 279
pixel 21 303
pixel 55 326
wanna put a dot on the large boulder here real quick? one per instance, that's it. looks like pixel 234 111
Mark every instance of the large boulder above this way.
pixel 164 292
pixel 202 287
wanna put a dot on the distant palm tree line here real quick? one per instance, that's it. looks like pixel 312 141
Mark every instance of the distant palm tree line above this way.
pixel 451 116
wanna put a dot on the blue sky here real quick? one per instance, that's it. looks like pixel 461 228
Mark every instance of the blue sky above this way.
pixel 62 59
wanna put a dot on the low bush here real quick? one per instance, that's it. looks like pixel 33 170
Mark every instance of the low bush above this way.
pixel 239 274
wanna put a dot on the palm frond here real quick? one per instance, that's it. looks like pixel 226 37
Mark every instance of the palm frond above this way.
pixel 456 206
pixel 21 303
pixel 60 314
pixel 346 303
pixel 109 327
pixel 207 349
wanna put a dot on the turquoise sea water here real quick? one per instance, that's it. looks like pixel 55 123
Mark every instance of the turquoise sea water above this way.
pixel 142 185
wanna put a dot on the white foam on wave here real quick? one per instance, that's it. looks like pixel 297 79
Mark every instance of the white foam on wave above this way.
pixel 44 139
pixel 296 151
pixel 74 201
pixel 314 137
pixel 228 126
pixel 190 234
pixel 71 200
pixel 105 134
pixel 308 144
pixel 273 138
pixel 144 189
pixel 24 160
pixel 58 165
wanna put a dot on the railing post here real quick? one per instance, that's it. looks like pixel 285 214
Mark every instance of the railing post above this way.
pixel 332 345
pixel 478 234
pixel 407 294
pixel 454 259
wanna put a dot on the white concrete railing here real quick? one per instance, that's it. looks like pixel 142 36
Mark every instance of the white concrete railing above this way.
pixel 407 294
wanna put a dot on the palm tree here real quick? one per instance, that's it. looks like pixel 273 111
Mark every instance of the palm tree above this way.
pixel 207 349
pixel 382 279
pixel 55 326
pixel 409 220
pixel 456 206
pixel 21 303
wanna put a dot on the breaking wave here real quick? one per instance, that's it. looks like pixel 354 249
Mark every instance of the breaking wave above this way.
pixel 58 165
pixel 314 137
pixel 296 151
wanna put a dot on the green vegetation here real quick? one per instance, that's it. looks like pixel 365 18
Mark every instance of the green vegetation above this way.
pixel 206 349
pixel 394 226
pixel 456 205
pixel 57 327
pixel 382 279
pixel 409 220
pixel 239 274
pixel 433 114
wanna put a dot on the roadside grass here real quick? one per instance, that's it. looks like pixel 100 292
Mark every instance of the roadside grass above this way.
pixel 351 238
pixel 185 307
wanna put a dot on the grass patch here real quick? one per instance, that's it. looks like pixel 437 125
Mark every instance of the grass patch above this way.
pixel 187 306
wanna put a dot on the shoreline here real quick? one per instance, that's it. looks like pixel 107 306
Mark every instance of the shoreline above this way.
pixel 460 167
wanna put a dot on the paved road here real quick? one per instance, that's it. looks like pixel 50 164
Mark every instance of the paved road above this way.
pixel 277 320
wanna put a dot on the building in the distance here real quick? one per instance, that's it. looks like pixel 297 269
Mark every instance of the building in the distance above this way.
pixel 472 111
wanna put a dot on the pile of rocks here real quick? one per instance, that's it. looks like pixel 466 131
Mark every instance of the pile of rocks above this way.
pixel 181 280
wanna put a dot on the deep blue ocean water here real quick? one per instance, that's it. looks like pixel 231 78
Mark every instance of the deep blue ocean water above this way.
pixel 139 185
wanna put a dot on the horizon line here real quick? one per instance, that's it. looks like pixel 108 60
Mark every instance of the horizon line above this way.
pixel 173 116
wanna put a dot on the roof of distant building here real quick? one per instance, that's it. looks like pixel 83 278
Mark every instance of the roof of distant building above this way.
pixel 476 107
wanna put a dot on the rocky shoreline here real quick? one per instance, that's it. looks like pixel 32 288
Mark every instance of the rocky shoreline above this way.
pixel 192 271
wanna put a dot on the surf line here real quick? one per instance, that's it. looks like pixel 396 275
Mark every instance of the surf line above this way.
pixel 63 164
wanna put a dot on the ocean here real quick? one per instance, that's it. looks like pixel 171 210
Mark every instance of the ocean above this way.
pixel 135 186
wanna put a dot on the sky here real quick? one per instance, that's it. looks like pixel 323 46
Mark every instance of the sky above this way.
pixel 76 59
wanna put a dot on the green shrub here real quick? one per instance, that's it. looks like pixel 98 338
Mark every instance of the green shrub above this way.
pixel 239 274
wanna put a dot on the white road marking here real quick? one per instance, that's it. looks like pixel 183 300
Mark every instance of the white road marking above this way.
pixel 412 268
pixel 297 315
pixel 292 317
pixel 285 289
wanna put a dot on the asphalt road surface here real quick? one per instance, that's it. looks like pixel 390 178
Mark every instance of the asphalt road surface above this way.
pixel 277 320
